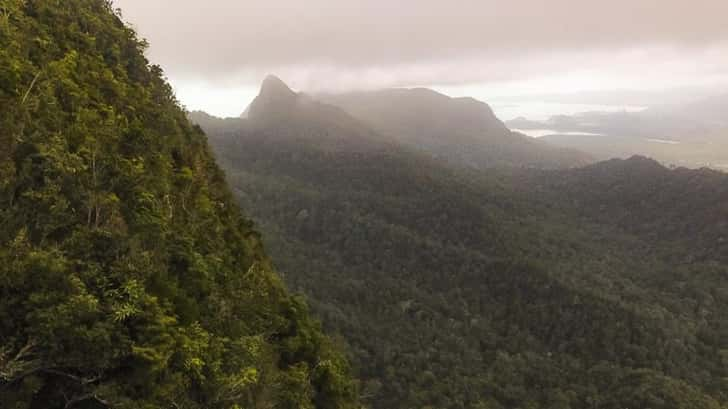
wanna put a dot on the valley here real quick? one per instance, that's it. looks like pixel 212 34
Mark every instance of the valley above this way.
pixel 510 287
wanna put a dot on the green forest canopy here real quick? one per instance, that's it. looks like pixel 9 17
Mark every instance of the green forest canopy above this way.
pixel 128 276
pixel 602 287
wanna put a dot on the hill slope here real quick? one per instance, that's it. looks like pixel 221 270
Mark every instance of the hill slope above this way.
pixel 128 276
pixel 456 288
pixel 683 207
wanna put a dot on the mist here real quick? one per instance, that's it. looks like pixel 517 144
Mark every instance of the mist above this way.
pixel 222 49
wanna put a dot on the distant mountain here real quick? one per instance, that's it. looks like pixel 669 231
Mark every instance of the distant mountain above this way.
pixel 279 113
pixel 508 287
pixel 275 100
pixel 463 131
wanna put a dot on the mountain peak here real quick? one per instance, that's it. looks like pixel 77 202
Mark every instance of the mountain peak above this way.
pixel 274 87
pixel 274 98
pixel 643 162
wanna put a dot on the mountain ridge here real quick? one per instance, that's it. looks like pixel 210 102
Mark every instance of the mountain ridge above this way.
pixel 463 130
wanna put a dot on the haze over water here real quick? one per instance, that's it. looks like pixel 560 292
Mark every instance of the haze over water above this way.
pixel 541 111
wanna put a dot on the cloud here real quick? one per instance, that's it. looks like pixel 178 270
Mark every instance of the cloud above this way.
pixel 347 44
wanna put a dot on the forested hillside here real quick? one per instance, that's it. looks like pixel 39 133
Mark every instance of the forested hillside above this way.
pixel 455 288
pixel 128 276
pixel 683 208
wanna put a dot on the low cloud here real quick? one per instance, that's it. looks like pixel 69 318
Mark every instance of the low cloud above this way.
pixel 344 44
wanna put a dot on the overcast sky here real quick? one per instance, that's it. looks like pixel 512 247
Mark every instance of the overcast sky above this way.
pixel 216 52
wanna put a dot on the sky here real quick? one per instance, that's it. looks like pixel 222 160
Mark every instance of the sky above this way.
pixel 216 52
